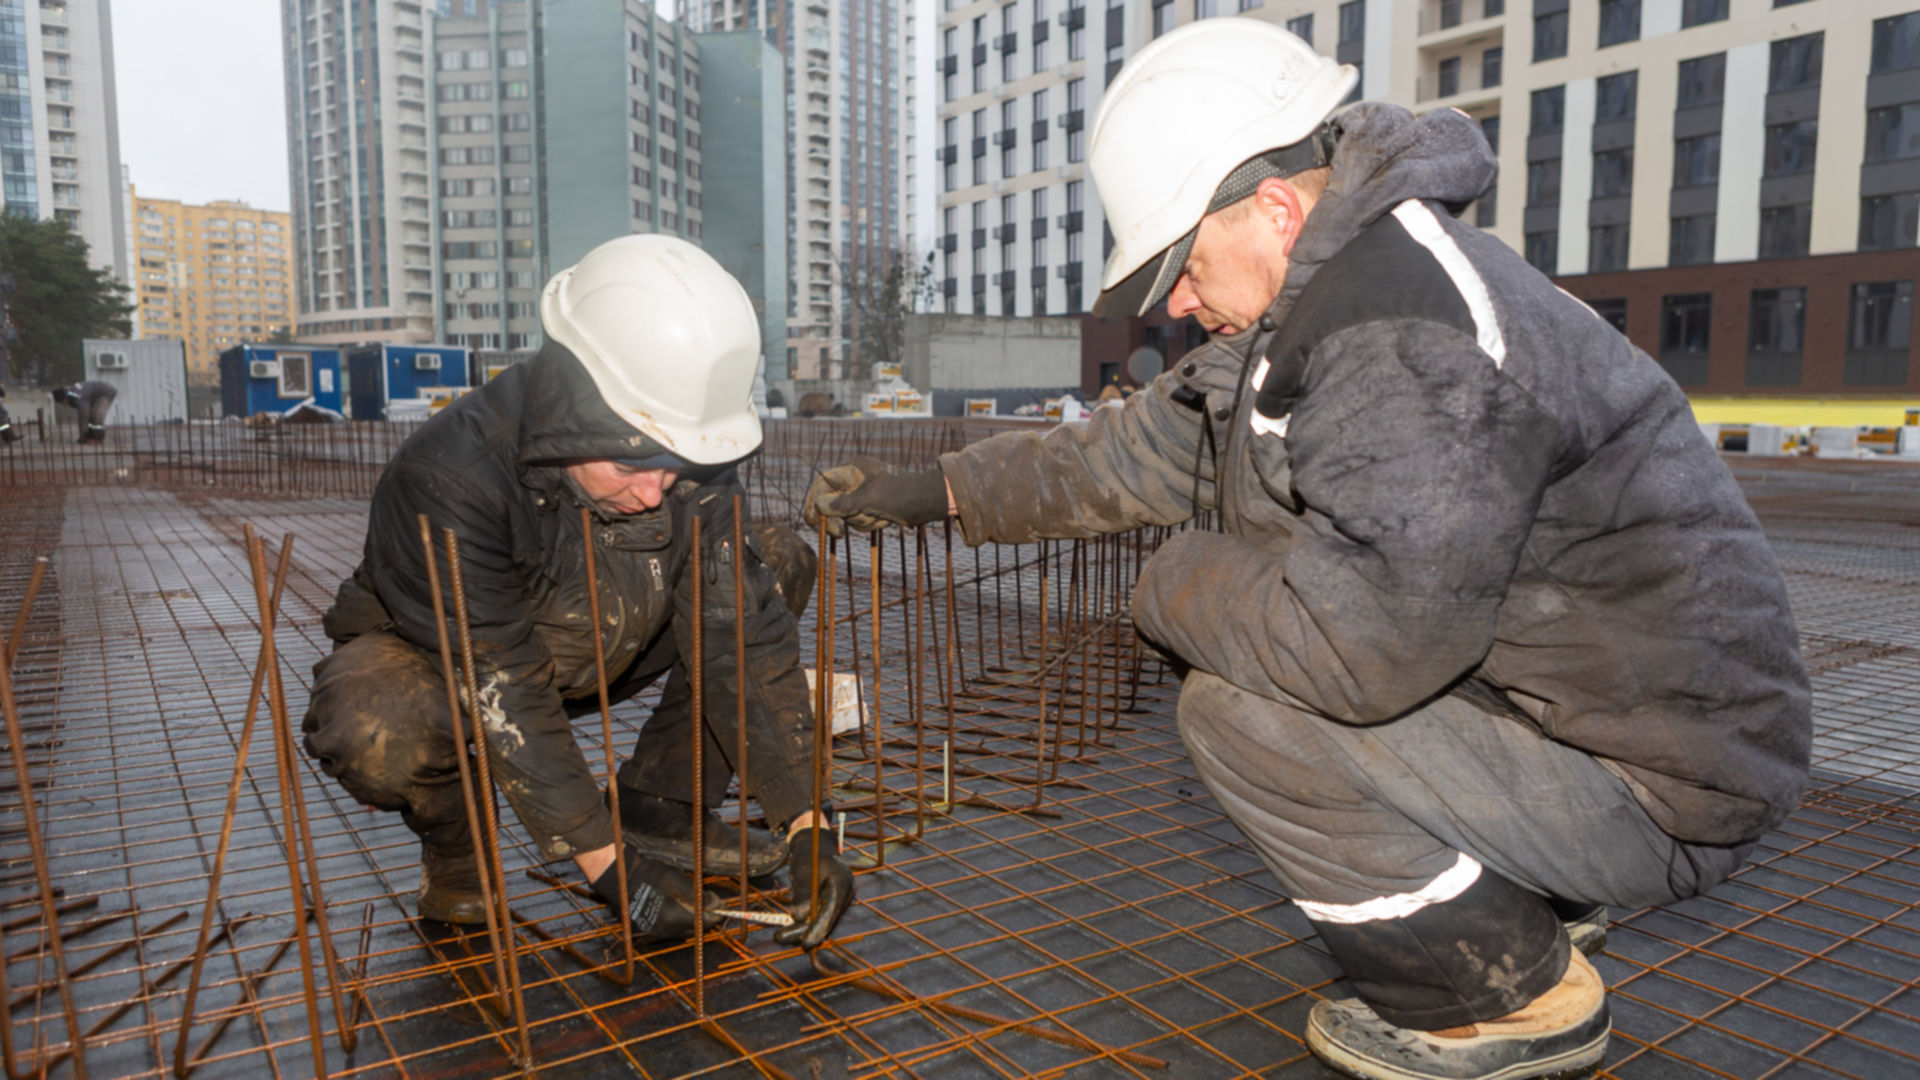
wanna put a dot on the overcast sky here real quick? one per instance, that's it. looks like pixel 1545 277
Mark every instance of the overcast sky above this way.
pixel 201 115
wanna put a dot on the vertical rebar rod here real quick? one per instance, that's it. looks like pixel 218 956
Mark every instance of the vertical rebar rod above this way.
pixel 875 551
pixel 822 629
pixel 283 769
pixel 699 728
pixel 490 812
pixel 606 735
pixel 49 915
pixel 469 795
pixel 181 1065
pixel 19 634
pixel 740 680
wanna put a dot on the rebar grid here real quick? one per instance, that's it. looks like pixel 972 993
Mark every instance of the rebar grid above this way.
pixel 1066 900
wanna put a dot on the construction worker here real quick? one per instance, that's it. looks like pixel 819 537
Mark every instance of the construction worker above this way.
pixel 1487 639
pixel 639 409
pixel 91 401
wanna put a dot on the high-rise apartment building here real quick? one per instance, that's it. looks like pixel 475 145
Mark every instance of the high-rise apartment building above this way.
pixel 357 148
pixel 1736 183
pixel 534 162
pixel 59 122
pixel 850 108
pixel 212 276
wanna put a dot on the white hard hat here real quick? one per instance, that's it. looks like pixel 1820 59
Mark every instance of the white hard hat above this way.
pixel 670 339
pixel 1182 117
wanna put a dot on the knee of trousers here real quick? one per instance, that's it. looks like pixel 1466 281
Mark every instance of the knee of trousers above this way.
pixel 792 561
pixel 377 721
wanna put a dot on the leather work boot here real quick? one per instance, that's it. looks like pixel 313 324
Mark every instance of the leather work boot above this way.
pixel 1586 925
pixel 1560 1034
pixel 450 888
pixel 662 829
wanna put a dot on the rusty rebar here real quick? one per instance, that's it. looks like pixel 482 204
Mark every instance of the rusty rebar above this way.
pixel 40 563
pixel 740 677
pixel 696 568
pixel 606 738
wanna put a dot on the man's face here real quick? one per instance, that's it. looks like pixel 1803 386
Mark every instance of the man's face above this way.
pixel 622 489
pixel 1239 261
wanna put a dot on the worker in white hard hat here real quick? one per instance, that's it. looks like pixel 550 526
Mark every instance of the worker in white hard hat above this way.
pixel 1488 638
pixel 639 410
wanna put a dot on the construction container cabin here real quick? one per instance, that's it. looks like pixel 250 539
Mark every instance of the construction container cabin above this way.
pixel 149 374
pixel 258 380
pixel 380 374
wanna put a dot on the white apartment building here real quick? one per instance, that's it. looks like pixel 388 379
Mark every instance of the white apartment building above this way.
pixel 850 108
pixel 59 123
pixel 357 148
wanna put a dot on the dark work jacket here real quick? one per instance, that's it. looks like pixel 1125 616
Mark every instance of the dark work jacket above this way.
pixel 1436 472
pixel 489 468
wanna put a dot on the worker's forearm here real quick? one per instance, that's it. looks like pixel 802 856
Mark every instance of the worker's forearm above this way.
pixel 594 863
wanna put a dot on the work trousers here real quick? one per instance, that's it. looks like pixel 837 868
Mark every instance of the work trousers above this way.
pixel 1427 850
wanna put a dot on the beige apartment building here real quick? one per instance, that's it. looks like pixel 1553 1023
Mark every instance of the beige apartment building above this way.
pixel 211 276
pixel 1736 183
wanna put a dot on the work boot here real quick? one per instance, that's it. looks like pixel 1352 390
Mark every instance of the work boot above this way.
pixel 450 888
pixel 1586 924
pixel 1562 1033
pixel 662 829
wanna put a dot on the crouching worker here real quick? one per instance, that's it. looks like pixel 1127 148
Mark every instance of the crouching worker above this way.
pixel 91 401
pixel 639 410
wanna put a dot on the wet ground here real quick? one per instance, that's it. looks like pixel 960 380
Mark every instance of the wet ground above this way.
pixel 1107 921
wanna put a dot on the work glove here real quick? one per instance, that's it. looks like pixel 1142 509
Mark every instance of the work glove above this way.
pixel 870 494
pixel 659 905
pixel 810 926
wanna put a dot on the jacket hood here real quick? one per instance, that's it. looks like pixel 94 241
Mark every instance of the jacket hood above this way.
pixel 563 417
pixel 1384 157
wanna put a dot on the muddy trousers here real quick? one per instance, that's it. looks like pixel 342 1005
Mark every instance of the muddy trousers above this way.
pixel 1429 851
pixel 378 723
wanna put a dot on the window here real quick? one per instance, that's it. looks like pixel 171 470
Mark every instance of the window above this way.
pixel 1205 9
pixel 1543 251
pixel 1549 36
pixel 1606 248
pixel 1353 21
pixel 1703 81
pixel 513 58
pixel 1076 30
pixel 514 91
pixel 1896 43
pixel 1008 137
pixel 1786 231
pixel 1613 173
pixel 1790 147
pixel 1619 22
pixel 1543 182
pixel 1616 97
pixel 1696 161
pixel 1613 310
pixel 1076 120
pixel 296 374
pixel 1490 127
pixel 1893 133
pixel 1795 63
pixel 1889 221
pixel 1549 111
pixel 1486 208
pixel 1701 12
pixel 1879 333
pixel 1690 240
pixel 1490 64
pixel 1448 77
pixel 1776 328
pixel 1686 326
pixel 1301 28
pixel 1041 124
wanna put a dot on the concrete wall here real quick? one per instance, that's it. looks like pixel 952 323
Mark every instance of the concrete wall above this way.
pixel 981 352
pixel 744 173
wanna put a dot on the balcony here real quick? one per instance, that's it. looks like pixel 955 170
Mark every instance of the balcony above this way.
pixel 1442 21
pixel 1462 87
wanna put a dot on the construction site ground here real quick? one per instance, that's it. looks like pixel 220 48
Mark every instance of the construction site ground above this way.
pixel 1067 900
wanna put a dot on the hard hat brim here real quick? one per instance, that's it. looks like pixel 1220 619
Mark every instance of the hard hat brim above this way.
pixel 1138 292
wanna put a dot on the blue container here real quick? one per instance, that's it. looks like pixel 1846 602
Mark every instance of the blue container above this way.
pixel 271 379
pixel 383 373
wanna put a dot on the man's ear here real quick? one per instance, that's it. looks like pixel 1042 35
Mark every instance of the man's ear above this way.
pixel 1279 203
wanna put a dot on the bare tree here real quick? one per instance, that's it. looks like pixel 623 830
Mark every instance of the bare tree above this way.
pixel 882 300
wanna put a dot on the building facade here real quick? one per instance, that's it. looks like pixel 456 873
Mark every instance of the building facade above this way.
pixel 849 215
pixel 534 163
pixel 59 123
pixel 358 165
pixel 212 277
pixel 1722 178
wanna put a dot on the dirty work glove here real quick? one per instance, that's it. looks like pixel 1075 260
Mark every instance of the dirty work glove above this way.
pixel 659 903
pixel 810 928
pixel 869 494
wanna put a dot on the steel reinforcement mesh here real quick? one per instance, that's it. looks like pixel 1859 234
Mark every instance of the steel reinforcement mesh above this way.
pixel 1045 888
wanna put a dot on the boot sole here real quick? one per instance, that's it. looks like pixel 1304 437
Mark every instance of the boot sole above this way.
pixel 1566 1065
pixel 679 855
